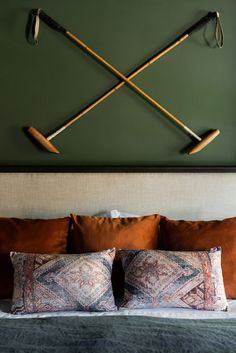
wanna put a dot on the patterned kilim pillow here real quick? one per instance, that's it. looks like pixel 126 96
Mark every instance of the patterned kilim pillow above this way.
pixel 62 282
pixel 184 279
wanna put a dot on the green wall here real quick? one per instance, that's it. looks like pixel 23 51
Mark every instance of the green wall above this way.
pixel 45 85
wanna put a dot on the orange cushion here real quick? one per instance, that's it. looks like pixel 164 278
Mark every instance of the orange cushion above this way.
pixel 101 233
pixel 28 235
pixel 203 235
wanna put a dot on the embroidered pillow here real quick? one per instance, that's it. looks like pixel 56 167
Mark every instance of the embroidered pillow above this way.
pixel 185 279
pixel 50 283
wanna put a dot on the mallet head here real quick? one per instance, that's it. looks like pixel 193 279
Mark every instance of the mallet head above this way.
pixel 42 140
pixel 205 141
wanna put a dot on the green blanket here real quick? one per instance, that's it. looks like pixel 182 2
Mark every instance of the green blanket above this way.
pixel 116 334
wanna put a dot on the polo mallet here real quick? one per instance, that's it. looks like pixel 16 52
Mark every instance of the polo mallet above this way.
pixel 45 142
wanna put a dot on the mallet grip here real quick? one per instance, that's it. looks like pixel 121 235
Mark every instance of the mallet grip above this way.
pixel 50 22
pixel 201 23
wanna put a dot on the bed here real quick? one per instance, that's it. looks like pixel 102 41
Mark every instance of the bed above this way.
pixel 176 195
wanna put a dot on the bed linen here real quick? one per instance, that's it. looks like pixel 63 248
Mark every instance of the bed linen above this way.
pixel 117 334
pixel 124 331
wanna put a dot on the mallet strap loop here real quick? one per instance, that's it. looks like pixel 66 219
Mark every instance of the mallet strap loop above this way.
pixel 219 34
pixel 35 26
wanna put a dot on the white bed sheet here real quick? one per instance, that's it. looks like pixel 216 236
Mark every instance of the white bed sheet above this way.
pixel 173 313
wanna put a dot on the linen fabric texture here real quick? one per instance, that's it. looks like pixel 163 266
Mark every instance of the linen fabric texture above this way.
pixel 28 235
pixel 178 235
pixel 49 283
pixel 175 279
pixel 99 233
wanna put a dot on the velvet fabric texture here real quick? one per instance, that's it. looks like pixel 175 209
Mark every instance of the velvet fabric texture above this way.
pixel 117 334
pixel 202 235
pixel 28 235
pixel 101 233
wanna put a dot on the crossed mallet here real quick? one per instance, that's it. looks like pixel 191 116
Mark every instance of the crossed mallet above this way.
pixel 46 143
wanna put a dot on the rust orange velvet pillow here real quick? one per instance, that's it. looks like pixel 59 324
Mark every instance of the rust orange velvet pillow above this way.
pixel 101 233
pixel 203 235
pixel 28 235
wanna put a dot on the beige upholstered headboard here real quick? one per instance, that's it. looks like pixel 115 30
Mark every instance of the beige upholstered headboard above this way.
pixel 176 195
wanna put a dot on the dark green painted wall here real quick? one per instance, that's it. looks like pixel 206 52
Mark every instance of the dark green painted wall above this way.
pixel 47 84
